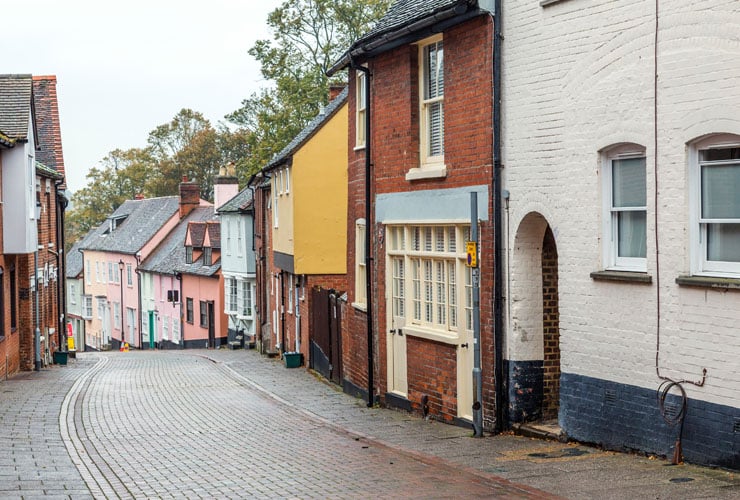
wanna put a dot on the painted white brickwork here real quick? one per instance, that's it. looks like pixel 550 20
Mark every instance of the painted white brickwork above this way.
pixel 578 76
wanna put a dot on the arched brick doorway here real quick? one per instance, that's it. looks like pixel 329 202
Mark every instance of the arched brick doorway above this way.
pixel 533 342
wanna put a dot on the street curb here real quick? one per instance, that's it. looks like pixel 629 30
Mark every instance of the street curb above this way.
pixel 357 436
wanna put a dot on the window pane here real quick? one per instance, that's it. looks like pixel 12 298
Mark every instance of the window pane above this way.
pixel 436 129
pixel 632 234
pixel 720 185
pixel 434 74
pixel 452 281
pixel 416 281
pixel 723 242
pixel 628 183
pixel 439 239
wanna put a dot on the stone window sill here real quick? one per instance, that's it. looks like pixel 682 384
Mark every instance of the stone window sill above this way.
pixel 359 306
pixel 545 3
pixel 709 282
pixel 623 276
pixel 430 172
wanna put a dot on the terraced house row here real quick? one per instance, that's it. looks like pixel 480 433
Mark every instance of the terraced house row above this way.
pixel 32 204
pixel 513 212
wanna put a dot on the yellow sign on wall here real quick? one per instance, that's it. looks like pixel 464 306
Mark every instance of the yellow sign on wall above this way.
pixel 471 248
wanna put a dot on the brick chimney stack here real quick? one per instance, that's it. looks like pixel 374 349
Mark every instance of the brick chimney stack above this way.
pixel 334 91
pixel 189 196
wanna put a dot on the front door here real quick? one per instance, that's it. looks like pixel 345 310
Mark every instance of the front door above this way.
pixel 131 326
pixel 151 329
pixel 396 340
pixel 211 326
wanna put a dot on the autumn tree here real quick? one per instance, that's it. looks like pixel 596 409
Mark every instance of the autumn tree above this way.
pixel 309 36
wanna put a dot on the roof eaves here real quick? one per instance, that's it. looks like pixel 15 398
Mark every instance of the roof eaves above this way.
pixel 379 40
pixel 285 156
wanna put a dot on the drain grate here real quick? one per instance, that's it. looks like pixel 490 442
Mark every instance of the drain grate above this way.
pixel 564 453
pixel 681 479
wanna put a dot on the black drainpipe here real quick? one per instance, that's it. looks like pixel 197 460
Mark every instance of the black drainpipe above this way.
pixel 61 267
pixel 368 236
pixel 498 271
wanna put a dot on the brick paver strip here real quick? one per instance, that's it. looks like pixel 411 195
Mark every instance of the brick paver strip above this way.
pixel 173 424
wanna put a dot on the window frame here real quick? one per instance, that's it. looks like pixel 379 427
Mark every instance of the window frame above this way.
pixel 700 265
pixel 189 310
pixel 610 214
pixel 426 103
pixel 203 317
pixel 188 254
pixel 407 299
pixel 360 265
pixel 232 292
pixel 360 109
pixel 87 309
pixel 207 256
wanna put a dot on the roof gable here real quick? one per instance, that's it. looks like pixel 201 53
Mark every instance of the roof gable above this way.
pixel 16 103
pixel 309 130
pixel 170 253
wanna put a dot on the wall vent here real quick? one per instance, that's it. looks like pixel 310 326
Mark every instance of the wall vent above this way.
pixel 610 397
pixel 736 426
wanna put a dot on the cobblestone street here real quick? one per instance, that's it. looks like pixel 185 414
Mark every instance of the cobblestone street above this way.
pixel 233 424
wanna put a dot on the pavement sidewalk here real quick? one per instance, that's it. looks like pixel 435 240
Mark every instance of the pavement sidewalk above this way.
pixel 569 470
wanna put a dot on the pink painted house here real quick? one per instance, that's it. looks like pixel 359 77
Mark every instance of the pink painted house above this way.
pixel 162 295
pixel 205 323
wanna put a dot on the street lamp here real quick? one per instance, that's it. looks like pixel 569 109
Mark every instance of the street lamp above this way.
pixel 120 270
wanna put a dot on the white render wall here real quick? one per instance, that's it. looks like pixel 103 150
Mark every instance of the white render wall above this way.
pixel 577 77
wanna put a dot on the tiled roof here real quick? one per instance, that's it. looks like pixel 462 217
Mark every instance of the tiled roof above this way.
pixel 408 20
pixel 45 171
pixel 141 221
pixel 197 232
pixel 170 254
pixel 49 140
pixel 239 203
pixel 214 233
pixel 197 268
pixel 73 259
pixel 309 130
pixel 15 105
pixel 406 12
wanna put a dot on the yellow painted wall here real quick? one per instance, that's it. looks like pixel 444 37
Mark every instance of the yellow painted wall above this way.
pixel 282 236
pixel 319 190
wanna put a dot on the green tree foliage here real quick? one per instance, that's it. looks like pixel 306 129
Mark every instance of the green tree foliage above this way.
pixel 309 36
pixel 187 146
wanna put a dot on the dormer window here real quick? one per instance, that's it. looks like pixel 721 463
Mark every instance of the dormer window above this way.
pixel 207 256
pixel 188 254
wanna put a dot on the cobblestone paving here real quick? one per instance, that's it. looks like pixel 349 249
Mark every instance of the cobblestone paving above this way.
pixel 234 424
pixel 177 425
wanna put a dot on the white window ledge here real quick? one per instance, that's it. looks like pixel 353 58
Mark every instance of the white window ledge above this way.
pixel 431 172
pixel 360 306
pixel 709 282
pixel 430 334
pixel 359 147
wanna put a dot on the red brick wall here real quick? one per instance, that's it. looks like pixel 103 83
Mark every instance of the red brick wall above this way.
pixel 48 295
pixel 550 327
pixel 432 371
pixel 395 150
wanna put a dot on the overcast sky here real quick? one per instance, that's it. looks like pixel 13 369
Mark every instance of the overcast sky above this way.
pixel 125 67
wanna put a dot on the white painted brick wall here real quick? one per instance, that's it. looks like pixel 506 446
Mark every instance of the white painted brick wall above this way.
pixel 577 77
